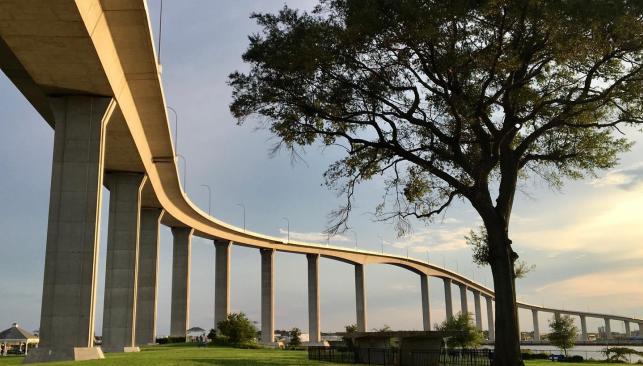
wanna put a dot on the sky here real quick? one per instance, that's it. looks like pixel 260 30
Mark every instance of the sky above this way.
pixel 585 241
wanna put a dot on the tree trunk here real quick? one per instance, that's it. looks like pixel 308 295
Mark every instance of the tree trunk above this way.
pixel 507 343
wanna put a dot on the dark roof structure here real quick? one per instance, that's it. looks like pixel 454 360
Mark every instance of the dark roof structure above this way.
pixel 15 333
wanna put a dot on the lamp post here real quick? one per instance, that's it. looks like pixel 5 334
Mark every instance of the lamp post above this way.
pixel 354 233
pixel 176 125
pixel 209 198
pixel 382 240
pixel 288 226
pixel 185 171
pixel 243 207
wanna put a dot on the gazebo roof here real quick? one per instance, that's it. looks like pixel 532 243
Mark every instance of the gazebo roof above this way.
pixel 196 330
pixel 15 333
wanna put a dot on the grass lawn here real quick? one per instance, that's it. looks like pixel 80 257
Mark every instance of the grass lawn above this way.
pixel 172 355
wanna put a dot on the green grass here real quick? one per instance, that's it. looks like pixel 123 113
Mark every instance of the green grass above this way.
pixel 172 355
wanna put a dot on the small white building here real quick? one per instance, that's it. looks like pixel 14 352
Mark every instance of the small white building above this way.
pixel 16 337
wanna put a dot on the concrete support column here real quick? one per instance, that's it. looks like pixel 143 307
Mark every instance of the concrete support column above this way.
pixel 121 269
pixel 426 308
pixel 68 298
pixel 628 332
pixel 556 315
pixel 478 308
pixel 583 328
pixel 534 316
pixel 448 299
pixel 180 306
pixel 267 297
pixel 221 281
pixel 148 262
pixel 490 321
pixel 464 305
pixel 360 298
pixel 313 298
pixel 608 329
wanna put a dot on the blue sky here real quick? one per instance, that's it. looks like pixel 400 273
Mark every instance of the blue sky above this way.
pixel 586 240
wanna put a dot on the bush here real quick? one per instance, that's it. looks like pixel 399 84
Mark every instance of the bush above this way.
pixel 468 335
pixel 167 340
pixel 574 359
pixel 237 329
pixel 295 338
pixel 528 355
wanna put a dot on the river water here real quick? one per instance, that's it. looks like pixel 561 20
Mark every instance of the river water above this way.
pixel 584 351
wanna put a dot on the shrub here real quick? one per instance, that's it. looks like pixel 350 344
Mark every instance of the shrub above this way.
pixel 468 335
pixel 295 338
pixel 574 359
pixel 237 329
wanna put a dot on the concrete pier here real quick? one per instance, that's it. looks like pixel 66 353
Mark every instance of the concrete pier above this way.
pixel 608 329
pixel 360 298
pixel 478 309
pixel 448 298
pixel 426 306
pixel 267 297
pixel 68 299
pixel 534 316
pixel 121 269
pixel 313 298
pixel 221 281
pixel 628 332
pixel 148 262
pixel 464 304
pixel 491 323
pixel 180 307
pixel 583 328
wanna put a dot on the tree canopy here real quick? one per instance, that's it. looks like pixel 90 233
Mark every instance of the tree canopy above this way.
pixel 563 332
pixel 467 335
pixel 237 329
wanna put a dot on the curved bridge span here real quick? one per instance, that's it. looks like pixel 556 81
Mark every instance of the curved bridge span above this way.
pixel 89 68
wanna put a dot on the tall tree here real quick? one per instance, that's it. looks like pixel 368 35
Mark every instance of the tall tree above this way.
pixel 563 332
pixel 451 100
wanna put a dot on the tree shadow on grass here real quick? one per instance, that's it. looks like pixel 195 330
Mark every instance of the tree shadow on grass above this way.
pixel 235 362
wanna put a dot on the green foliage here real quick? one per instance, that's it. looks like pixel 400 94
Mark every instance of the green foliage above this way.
pixel 237 329
pixel 351 328
pixel 468 336
pixel 563 332
pixel 295 337
pixel 479 243
pixel 212 334
pixel 385 328
pixel 445 101
pixel 619 354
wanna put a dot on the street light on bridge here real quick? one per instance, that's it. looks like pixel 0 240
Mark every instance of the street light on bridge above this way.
pixel 176 128
pixel 288 226
pixel 354 233
pixel 185 171
pixel 209 198
pixel 244 215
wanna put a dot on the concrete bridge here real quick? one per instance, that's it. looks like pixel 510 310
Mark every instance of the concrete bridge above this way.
pixel 89 68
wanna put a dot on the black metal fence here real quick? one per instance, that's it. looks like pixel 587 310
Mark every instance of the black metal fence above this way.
pixel 393 356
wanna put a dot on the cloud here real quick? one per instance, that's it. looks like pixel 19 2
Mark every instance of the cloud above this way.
pixel 315 237
pixel 609 225
pixel 628 178
pixel 434 240
pixel 621 286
